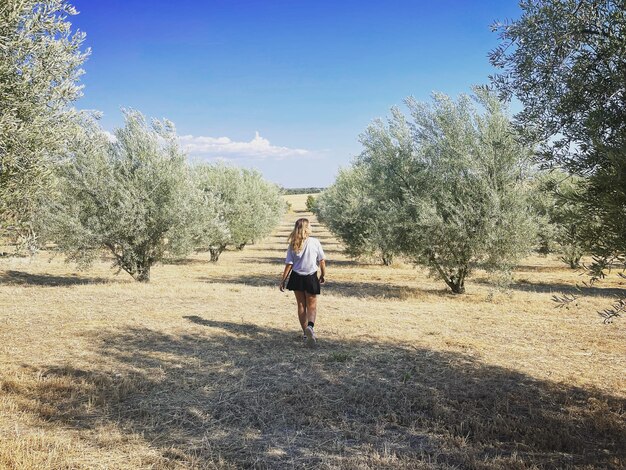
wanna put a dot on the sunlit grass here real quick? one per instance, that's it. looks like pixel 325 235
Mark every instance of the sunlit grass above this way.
pixel 204 367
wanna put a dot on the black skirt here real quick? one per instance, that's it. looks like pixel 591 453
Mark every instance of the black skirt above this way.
pixel 298 282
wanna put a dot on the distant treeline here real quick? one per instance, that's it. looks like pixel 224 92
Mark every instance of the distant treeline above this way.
pixel 301 190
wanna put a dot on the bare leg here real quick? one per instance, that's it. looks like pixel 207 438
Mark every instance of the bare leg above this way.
pixel 302 308
pixel 311 308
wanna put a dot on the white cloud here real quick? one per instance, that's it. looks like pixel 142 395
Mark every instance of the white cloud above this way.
pixel 258 148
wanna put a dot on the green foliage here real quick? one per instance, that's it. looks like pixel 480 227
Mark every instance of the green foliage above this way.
pixel 453 182
pixel 565 61
pixel 248 207
pixel 351 212
pixel 134 197
pixel 310 203
pixel 542 201
pixel 562 205
pixel 40 60
pixel 312 190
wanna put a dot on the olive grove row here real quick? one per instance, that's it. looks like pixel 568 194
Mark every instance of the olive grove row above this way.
pixel 64 183
pixel 459 185
pixel 139 198
pixel 452 188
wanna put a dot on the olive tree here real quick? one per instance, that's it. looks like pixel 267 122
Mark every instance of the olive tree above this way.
pixel 264 208
pixel 310 203
pixel 565 60
pixel 133 197
pixel 213 231
pixel 566 227
pixel 40 60
pixel 353 213
pixel 248 207
pixel 455 181
pixel 542 202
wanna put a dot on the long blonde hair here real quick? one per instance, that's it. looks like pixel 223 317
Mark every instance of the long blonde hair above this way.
pixel 299 234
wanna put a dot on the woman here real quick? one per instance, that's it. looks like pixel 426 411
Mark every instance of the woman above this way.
pixel 303 257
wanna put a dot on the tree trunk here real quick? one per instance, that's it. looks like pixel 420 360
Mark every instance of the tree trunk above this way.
pixel 572 260
pixel 216 251
pixel 455 281
pixel 458 286
pixel 142 274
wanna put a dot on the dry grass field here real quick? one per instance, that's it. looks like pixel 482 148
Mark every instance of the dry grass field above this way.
pixel 204 368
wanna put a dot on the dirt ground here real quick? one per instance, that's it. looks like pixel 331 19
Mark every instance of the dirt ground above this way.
pixel 204 367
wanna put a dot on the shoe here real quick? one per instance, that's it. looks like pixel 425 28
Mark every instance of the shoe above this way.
pixel 311 340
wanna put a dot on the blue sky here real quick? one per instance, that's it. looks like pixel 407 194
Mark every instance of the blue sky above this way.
pixel 283 86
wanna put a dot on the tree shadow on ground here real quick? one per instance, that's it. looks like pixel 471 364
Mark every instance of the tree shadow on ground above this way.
pixel 21 278
pixel 240 395
pixel 358 289
pixel 334 251
pixel 379 290
pixel 325 238
pixel 280 261
pixel 256 280
pixel 185 262
pixel 283 251
pixel 561 288
pixel 530 268
pixel 13 254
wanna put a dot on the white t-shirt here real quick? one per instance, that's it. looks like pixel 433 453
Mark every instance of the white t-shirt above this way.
pixel 306 262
